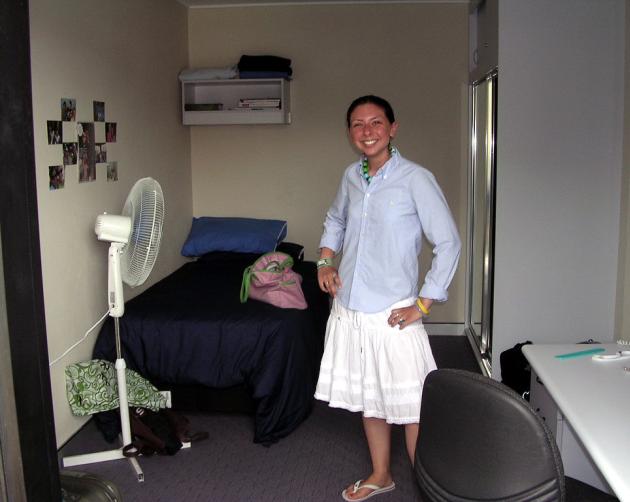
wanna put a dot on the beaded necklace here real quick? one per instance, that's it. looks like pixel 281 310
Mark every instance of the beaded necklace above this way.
pixel 366 169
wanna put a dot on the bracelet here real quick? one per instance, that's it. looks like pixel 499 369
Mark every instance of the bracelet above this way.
pixel 422 308
pixel 324 262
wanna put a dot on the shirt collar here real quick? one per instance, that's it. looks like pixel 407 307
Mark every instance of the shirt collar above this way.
pixel 386 168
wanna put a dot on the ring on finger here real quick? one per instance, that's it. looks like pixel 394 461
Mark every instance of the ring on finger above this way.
pixel 401 321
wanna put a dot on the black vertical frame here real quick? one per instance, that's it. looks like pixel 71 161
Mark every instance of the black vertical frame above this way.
pixel 21 259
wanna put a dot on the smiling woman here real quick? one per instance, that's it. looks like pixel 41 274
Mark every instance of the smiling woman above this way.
pixel 377 353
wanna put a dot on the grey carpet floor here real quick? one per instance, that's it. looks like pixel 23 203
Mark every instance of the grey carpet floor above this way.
pixel 314 463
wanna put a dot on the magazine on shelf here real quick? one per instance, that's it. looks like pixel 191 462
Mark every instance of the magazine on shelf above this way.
pixel 259 103
pixel 246 109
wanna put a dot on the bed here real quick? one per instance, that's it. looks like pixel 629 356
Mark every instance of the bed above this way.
pixel 190 333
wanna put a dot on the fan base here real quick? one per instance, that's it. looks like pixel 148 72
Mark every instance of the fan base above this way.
pixel 104 456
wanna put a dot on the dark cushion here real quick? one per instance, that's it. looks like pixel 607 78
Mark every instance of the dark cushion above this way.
pixel 243 235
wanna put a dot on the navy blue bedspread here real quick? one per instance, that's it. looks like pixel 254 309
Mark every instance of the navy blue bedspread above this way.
pixel 191 329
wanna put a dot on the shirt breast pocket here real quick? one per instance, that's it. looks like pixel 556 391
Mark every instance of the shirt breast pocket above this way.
pixel 393 209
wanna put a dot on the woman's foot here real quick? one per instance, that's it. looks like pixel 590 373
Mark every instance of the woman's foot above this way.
pixel 366 488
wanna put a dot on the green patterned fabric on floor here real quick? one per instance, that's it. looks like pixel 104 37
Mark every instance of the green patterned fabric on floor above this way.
pixel 92 387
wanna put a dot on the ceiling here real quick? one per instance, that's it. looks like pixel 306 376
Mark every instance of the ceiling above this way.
pixel 262 3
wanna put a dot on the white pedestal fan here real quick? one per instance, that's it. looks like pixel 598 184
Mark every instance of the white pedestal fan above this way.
pixel 135 240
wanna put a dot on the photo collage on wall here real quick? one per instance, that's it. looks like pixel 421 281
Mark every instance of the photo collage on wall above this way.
pixel 84 144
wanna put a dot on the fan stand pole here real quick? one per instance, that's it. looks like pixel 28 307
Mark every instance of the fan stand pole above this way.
pixel 121 377
pixel 117 454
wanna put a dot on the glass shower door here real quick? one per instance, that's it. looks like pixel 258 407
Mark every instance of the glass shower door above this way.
pixel 481 192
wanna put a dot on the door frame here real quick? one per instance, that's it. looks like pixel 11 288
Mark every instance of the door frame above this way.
pixel 35 442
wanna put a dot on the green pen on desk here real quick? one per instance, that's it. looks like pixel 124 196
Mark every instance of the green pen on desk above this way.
pixel 580 353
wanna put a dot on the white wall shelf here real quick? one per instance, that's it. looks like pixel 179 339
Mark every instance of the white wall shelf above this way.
pixel 227 93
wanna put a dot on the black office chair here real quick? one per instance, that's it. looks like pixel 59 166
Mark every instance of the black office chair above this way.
pixel 480 441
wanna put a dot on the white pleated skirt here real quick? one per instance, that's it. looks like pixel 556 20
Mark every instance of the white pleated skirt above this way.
pixel 373 368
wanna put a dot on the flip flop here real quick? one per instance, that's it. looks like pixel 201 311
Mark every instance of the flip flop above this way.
pixel 376 490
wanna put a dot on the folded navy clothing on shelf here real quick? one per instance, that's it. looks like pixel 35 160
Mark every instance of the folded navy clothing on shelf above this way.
pixel 264 74
pixel 264 63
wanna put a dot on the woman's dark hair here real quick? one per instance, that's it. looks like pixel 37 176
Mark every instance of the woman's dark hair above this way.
pixel 375 100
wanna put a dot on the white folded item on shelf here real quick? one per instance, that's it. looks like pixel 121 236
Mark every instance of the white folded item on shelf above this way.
pixel 208 73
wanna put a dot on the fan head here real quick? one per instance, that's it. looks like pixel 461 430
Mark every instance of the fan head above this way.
pixel 145 209
pixel 135 240
pixel 112 228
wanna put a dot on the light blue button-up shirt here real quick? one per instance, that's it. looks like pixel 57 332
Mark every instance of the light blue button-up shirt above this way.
pixel 379 226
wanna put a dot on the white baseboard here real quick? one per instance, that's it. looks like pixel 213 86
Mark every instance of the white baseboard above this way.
pixel 448 329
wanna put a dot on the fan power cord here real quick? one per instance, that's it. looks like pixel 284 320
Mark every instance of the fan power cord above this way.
pixel 72 347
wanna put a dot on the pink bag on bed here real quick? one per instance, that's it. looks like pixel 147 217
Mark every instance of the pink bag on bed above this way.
pixel 272 280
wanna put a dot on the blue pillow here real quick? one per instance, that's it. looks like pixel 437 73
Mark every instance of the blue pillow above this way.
pixel 243 235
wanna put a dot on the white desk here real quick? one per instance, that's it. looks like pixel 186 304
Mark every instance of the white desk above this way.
pixel 594 396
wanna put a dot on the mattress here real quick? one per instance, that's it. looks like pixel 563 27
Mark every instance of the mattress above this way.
pixel 190 329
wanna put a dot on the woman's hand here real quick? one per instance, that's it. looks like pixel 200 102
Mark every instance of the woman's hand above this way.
pixel 404 316
pixel 329 281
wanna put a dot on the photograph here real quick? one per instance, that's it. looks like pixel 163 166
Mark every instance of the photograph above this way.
pixel 99 111
pixel 87 155
pixel 87 167
pixel 110 132
pixel 68 109
pixel 69 154
pixel 100 151
pixel 57 177
pixel 54 132
pixel 112 171
pixel 83 132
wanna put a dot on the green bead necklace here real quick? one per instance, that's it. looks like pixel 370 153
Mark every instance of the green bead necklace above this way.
pixel 366 169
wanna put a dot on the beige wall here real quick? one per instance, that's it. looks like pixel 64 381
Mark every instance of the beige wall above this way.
pixel 622 324
pixel 415 55
pixel 127 54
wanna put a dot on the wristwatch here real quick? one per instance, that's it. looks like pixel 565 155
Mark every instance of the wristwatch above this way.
pixel 324 262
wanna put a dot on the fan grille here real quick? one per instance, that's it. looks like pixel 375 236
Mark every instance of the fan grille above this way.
pixel 145 207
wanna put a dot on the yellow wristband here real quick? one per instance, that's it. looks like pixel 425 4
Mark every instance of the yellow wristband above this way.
pixel 422 308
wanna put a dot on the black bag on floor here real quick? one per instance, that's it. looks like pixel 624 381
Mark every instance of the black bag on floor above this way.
pixel 515 370
pixel 86 487
pixel 161 432
pixel 152 432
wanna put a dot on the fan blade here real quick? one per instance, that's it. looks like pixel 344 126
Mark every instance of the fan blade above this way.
pixel 145 207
